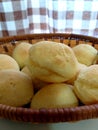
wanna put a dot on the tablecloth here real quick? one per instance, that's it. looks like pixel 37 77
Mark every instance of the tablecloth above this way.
pixel 48 16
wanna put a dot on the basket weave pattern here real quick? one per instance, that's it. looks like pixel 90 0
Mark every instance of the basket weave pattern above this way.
pixel 7 44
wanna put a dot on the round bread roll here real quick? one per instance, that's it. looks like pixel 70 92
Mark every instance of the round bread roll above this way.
pixel 54 96
pixel 86 54
pixel 52 62
pixel 20 53
pixel 7 62
pixel 86 85
pixel 16 88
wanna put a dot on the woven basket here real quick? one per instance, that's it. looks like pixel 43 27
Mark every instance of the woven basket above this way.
pixel 7 44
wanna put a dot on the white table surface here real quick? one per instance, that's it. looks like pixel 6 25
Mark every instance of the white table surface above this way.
pixel 91 124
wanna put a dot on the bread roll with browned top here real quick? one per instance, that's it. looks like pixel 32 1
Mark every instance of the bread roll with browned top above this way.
pixel 16 88
pixel 86 85
pixel 54 96
pixel 52 61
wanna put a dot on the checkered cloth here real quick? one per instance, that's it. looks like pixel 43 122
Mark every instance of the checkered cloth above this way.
pixel 48 16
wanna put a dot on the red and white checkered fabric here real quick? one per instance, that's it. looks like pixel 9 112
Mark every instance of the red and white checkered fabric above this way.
pixel 48 16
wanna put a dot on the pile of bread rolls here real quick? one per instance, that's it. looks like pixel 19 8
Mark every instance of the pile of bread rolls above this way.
pixel 49 75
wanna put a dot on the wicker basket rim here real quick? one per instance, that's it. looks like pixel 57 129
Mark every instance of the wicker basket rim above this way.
pixel 43 35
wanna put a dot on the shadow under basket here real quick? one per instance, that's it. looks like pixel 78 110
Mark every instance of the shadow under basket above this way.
pixel 83 112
